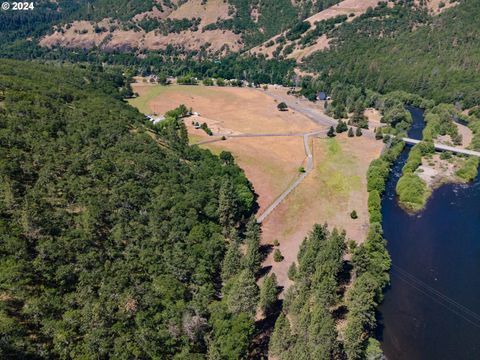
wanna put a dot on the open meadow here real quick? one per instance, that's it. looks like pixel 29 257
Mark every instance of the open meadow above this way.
pixel 330 192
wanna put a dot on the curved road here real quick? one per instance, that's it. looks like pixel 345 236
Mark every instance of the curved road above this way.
pixel 301 107
pixel 308 169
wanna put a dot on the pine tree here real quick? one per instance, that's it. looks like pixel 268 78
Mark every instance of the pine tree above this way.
pixel 358 132
pixel 253 258
pixel 232 262
pixel 268 294
pixel 292 271
pixel 341 127
pixel 277 255
pixel 331 132
pixel 281 339
pixel 350 132
pixel 242 296
pixel 227 206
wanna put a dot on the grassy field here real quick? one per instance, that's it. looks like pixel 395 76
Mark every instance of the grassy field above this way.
pixel 335 187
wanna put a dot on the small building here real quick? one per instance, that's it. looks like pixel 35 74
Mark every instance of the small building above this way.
pixel 155 119
pixel 322 96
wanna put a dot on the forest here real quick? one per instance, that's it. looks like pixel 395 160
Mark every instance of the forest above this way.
pixel 438 60
pixel 117 239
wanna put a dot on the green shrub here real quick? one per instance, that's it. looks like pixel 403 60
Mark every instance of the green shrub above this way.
pixel 469 170
pixel 412 191
pixel 277 255
pixel 374 206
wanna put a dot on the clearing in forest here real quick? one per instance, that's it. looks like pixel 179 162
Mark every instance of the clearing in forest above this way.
pixel 335 187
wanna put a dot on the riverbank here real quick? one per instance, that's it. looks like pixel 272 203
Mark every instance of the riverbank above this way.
pixel 435 264
pixel 425 170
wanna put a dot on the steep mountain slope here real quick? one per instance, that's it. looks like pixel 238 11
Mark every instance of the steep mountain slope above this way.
pixel 437 57
pixel 111 229
pixel 216 26
pixel 301 44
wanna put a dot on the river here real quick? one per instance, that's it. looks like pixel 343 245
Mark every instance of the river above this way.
pixel 432 308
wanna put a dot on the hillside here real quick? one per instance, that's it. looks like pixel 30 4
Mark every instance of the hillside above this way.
pixel 435 57
pixel 112 231
pixel 216 27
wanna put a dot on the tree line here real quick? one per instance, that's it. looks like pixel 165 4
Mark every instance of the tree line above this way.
pixel 117 238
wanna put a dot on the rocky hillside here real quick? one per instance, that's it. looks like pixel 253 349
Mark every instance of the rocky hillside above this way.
pixel 216 27
pixel 213 28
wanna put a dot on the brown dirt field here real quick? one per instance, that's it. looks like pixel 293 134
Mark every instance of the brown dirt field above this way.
pixel 271 164
pixel 230 110
pixel 337 185
pixel 208 12
pixel 346 7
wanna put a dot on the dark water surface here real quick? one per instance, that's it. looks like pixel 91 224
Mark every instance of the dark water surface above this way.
pixel 432 309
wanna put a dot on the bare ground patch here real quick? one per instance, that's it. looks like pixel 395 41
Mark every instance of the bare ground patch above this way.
pixel 436 171
pixel 271 164
pixel 336 186
pixel 230 110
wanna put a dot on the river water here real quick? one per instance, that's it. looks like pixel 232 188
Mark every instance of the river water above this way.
pixel 432 308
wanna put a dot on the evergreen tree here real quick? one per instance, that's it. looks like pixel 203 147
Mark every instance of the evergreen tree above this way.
pixel 253 257
pixel 227 206
pixel 281 338
pixel 358 118
pixel 242 296
pixel 341 127
pixel 292 271
pixel 358 132
pixel 277 255
pixel 232 262
pixel 268 294
pixel 350 132
pixel 322 340
pixel 331 132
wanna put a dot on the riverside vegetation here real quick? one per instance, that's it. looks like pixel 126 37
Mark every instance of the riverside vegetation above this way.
pixel 413 191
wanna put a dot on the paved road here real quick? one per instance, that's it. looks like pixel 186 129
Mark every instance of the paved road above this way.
pixel 302 106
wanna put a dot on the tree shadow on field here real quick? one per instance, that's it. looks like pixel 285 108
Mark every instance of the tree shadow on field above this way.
pixel 265 250
pixel 263 272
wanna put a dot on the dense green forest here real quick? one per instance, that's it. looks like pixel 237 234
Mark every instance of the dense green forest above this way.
pixel 386 49
pixel 116 237
pixel 306 328
pixel 405 49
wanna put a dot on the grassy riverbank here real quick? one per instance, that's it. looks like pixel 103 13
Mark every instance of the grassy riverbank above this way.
pixel 424 170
